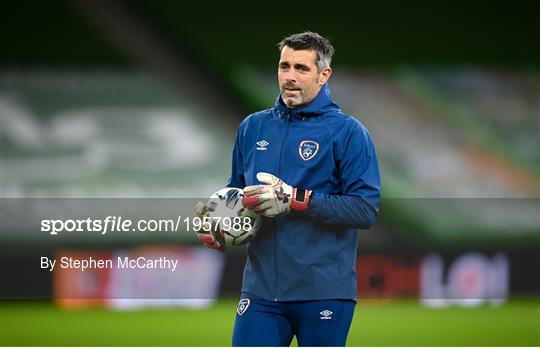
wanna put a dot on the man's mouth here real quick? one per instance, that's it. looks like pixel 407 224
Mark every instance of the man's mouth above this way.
pixel 291 89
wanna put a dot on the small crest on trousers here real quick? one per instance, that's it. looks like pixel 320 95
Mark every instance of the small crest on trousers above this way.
pixel 243 306
pixel 308 149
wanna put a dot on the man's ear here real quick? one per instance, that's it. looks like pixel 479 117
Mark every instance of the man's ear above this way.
pixel 324 75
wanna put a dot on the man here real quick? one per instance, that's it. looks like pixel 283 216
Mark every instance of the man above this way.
pixel 312 172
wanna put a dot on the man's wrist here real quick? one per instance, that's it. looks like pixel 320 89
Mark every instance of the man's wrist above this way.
pixel 300 200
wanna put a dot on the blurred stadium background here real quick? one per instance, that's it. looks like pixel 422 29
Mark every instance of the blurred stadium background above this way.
pixel 141 99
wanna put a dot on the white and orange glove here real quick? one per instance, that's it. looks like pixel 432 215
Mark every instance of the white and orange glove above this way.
pixel 204 233
pixel 274 198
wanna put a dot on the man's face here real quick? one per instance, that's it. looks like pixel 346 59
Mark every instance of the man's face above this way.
pixel 298 76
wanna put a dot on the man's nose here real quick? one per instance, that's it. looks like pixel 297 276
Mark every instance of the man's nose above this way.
pixel 290 76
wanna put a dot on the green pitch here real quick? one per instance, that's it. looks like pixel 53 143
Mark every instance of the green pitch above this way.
pixel 401 323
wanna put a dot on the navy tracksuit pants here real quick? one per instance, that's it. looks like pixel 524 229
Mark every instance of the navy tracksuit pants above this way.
pixel 261 322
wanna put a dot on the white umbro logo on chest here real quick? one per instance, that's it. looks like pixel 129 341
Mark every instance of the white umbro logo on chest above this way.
pixel 262 144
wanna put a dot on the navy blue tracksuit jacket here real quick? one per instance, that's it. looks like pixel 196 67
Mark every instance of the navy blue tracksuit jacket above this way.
pixel 310 256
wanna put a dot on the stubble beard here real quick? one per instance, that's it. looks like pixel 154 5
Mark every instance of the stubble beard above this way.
pixel 293 102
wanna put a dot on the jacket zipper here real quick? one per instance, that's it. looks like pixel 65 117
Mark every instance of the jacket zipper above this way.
pixel 279 175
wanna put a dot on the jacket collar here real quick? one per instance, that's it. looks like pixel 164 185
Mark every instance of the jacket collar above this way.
pixel 322 103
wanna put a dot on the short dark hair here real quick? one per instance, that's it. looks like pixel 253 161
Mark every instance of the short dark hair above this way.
pixel 308 40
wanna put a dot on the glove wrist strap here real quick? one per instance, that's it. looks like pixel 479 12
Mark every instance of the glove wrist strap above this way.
pixel 300 199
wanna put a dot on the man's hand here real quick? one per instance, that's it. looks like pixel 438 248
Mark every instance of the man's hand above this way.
pixel 206 236
pixel 274 198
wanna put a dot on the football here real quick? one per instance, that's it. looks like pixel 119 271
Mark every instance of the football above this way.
pixel 234 225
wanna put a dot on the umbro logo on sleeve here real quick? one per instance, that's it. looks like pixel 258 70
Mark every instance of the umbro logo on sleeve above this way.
pixel 261 145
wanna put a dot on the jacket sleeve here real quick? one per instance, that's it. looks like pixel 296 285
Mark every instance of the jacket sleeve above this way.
pixel 237 178
pixel 358 203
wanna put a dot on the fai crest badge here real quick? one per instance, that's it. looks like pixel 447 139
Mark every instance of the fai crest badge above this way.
pixel 243 306
pixel 308 149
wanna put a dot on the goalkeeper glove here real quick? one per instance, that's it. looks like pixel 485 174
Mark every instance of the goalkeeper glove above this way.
pixel 276 197
pixel 205 228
